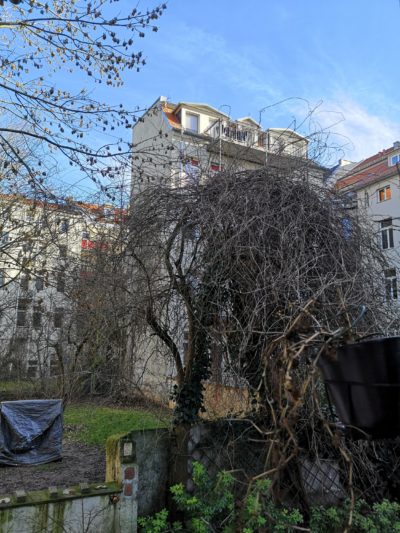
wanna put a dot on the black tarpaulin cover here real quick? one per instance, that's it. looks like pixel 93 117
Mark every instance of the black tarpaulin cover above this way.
pixel 30 432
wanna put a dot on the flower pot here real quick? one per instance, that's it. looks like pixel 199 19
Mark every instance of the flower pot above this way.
pixel 364 385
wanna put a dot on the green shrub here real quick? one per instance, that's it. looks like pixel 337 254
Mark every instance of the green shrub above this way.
pixel 211 507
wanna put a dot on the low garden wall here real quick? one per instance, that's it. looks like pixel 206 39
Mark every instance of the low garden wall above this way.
pixel 149 451
pixel 110 507
pixel 140 466
pixel 90 508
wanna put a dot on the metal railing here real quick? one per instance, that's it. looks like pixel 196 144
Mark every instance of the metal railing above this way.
pixel 237 132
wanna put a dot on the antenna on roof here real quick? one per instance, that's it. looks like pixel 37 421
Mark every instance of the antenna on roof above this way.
pixel 228 106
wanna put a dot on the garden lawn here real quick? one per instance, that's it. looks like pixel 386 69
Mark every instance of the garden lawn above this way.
pixel 92 425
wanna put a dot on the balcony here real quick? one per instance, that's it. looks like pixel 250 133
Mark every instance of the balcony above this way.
pixel 243 140
pixel 237 132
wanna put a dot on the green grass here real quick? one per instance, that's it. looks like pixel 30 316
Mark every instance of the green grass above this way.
pixel 16 386
pixel 95 424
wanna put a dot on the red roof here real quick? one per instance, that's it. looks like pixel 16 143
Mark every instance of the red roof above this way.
pixel 370 170
pixel 172 119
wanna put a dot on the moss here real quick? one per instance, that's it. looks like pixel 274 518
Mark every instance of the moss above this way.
pixel 5 516
pixel 113 462
pixel 58 517
pixel 41 519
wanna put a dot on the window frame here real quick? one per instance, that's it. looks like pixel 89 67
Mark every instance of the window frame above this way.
pixel 37 318
pixel 387 194
pixel 391 287
pixel 58 317
pixel 60 281
pixel 387 234
pixel 197 116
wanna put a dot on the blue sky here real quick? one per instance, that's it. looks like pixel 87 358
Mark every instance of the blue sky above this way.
pixel 330 66
pixel 338 58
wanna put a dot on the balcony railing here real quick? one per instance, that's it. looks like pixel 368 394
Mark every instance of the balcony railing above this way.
pixel 238 133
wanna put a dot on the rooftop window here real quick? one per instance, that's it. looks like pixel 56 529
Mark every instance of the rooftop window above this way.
pixel 192 122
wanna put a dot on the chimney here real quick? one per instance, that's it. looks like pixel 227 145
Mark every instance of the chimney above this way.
pixel 396 144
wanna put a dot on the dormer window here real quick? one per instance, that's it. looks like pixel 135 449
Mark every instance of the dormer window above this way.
pixel 192 122
pixel 394 159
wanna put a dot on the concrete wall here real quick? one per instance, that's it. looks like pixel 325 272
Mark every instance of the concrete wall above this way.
pixel 93 508
pixel 148 451
pixel 111 507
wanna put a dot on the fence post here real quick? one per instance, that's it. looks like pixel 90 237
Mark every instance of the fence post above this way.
pixel 122 468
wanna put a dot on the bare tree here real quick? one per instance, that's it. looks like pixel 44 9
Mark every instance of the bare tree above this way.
pixel 40 39
pixel 63 295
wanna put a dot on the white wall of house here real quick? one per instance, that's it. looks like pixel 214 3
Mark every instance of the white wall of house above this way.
pixel 380 203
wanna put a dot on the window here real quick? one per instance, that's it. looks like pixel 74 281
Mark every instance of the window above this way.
pixel 216 167
pixel 36 317
pixel 39 283
pixel 4 238
pixel 32 368
pixel 391 284
pixel 27 248
pixel 54 366
pixel 21 318
pixel 24 283
pixel 192 122
pixel 347 228
pixel 2 278
pixel 61 282
pixel 387 234
pixel 63 251
pixel 63 225
pixel 384 194
pixel 85 235
pixel 212 127
pixel 185 345
pixel 366 198
pixel 22 306
pixel 394 159
pixel 192 170
pixel 58 316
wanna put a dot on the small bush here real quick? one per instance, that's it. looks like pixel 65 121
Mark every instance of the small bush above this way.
pixel 212 507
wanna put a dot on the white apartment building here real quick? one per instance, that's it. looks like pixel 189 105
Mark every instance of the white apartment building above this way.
pixel 178 142
pixel 373 186
pixel 46 251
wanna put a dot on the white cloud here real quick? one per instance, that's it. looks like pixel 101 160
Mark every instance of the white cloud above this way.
pixel 353 129
pixel 210 59
pixel 356 124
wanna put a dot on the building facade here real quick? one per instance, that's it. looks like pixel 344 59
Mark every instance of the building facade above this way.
pixel 184 143
pixel 373 187
pixel 49 254
pixel 176 143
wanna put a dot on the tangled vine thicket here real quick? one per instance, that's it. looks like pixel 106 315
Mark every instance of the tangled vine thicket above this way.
pixel 265 272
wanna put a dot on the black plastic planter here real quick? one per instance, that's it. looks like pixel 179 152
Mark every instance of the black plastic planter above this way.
pixel 364 385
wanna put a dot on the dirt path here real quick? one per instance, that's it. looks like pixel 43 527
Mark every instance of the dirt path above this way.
pixel 80 464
